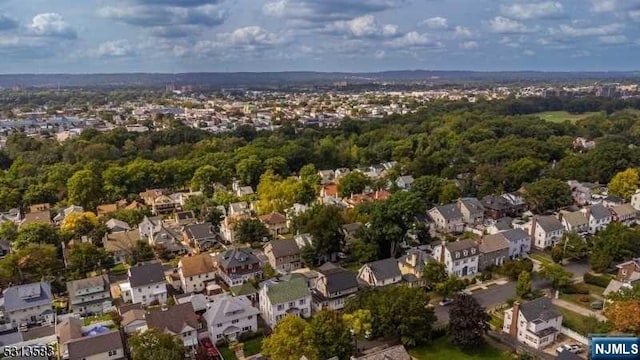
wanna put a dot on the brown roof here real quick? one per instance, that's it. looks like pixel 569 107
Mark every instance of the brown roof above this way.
pixel 491 243
pixel 107 209
pixel 273 219
pixel 281 248
pixel 134 205
pixel 40 217
pixel 174 319
pixel 196 264
pixel 69 329
pixel 123 309
pixel 132 315
pixel 122 241
pixel 93 345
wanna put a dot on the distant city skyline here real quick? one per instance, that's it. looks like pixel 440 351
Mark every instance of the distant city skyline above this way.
pixel 175 36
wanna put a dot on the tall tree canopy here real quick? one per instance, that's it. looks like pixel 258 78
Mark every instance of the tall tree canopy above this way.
pixel 468 322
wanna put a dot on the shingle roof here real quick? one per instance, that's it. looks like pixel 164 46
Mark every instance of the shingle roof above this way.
pixel 26 296
pixel 122 241
pixel 133 315
pixel 102 281
pixel 286 291
pixel 575 218
pixel 200 231
pixel 273 218
pixel 196 264
pixel 598 211
pixel 237 257
pixel 115 223
pixel 449 211
pixel 462 245
pixel 472 204
pixel 227 308
pixel 93 345
pixel 549 223
pixel 174 319
pixel 514 235
pixel 69 329
pixel 625 210
pixel 281 248
pixel 385 269
pixel 397 352
pixel 338 278
pixel 540 308
pixel 244 289
pixel 146 274
pixel 492 243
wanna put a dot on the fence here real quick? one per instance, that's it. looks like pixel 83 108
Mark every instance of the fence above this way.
pixel 574 335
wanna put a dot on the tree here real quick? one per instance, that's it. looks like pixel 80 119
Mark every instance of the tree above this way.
pixel 624 316
pixel 36 233
pixel 133 217
pixel 547 194
pixel 572 246
pixel 359 322
pixel 8 231
pixel 428 188
pixel 449 192
pixel 624 183
pixel 557 274
pixel 615 243
pixel 275 194
pixel 30 263
pixel 451 286
pixel 141 252
pixel 85 257
pixel 81 222
pixel 203 179
pixel 154 344
pixel 330 335
pixel 291 339
pixel 435 273
pixel 249 170
pixel 250 230
pixel 468 322
pixel 323 223
pixel 84 189
pixel 353 183
pixel 523 286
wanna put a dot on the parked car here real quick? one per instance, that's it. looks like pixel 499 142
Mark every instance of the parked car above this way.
pixel 212 351
pixel 575 348
pixel 597 305
pixel 563 348
pixel 446 302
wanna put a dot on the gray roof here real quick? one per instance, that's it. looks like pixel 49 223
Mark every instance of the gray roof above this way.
pixel 598 211
pixel 227 308
pixel 101 280
pixel 495 202
pixel 237 257
pixel 493 243
pixel 115 223
pixel 385 268
pixel 540 308
pixel 26 296
pixel 514 235
pixel 397 352
pixel 174 319
pixel 94 345
pixel 449 211
pixel 575 218
pixel 281 248
pixel 338 278
pixel 549 223
pixel 460 246
pixel 473 204
pixel 146 274
pixel 200 231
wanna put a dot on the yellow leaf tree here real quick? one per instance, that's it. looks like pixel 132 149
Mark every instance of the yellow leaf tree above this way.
pixel 290 340
pixel 624 183
pixel 276 194
pixel 75 219
pixel 624 316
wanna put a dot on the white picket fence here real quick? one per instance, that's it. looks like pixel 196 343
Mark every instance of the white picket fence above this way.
pixel 574 335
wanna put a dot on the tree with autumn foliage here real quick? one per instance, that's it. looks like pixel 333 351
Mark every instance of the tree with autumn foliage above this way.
pixel 624 183
pixel 291 339
pixel 33 262
pixel 624 316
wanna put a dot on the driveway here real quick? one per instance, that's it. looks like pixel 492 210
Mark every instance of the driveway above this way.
pixel 578 269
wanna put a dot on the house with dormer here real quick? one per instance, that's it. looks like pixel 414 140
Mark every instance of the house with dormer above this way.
pixel 380 273
pixel 28 304
pixel 333 287
pixel 195 272
pixel 237 265
pixel 447 219
pixel 461 257
pixel 599 217
pixel 280 298
pixel 228 317
pixel 90 296
pixel 535 323
pixel 545 231
pixel 178 320
pixel 574 221
pixel 200 237
pixel 412 266
pixel 625 214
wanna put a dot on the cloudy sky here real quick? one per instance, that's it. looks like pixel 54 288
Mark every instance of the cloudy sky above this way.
pixel 80 36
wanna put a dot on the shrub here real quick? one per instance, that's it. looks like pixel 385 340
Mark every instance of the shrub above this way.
pixel 597 280
pixel 438 332
pixel 583 298
pixel 576 289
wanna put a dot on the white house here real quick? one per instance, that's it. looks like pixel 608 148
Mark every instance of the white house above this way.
pixel 545 231
pixel 635 200
pixel 472 210
pixel 227 317
pixel 536 323
pixel 90 296
pixel 599 217
pixel 380 273
pixel 279 298
pixel 333 287
pixel 29 304
pixel 575 221
pixel 519 242
pixel 461 257
pixel 146 285
pixel 447 218
pixel 195 272
pixel 178 320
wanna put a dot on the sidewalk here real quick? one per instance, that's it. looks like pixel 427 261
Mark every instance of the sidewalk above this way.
pixel 486 284
pixel 578 309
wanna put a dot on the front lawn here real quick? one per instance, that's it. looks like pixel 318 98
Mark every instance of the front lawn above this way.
pixel 582 324
pixel 440 349
pixel 251 347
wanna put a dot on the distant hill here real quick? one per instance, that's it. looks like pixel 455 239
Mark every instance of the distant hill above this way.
pixel 270 79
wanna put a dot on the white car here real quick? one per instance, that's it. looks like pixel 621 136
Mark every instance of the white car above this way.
pixel 563 348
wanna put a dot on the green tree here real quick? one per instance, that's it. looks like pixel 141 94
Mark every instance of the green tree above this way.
pixel 524 285
pixel 330 335
pixel 468 322
pixel 428 188
pixel 435 273
pixel 8 231
pixel 84 258
pixel 359 322
pixel 141 252
pixel 451 286
pixel 449 192
pixel 250 230
pixel 624 183
pixel 572 246
pixel 353 183
pixel 249 170
pixel 547 194
pixel 84 189
pixel 323 223
pixel 275 194
pixel 153 344
pixel 133 217
pixel 291 339
pixel 35 233
pixel 203 179
pixel 31 263
pixel 615 243
pixel 557 274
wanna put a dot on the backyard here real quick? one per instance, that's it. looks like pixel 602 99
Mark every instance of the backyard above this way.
pixel 562 116
pixel 251 347
pixel 440 349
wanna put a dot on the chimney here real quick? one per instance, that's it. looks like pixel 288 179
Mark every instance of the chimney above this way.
pixel 513 328
pixel 587 213
pixel 534 223
pixel 442 251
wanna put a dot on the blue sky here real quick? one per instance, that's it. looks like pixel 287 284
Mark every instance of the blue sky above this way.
pixel 88 36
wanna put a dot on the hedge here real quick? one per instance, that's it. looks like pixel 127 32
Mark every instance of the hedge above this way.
pixel 597 280
pixel 576 289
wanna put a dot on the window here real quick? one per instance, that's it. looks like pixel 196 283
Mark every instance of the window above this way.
pixel 219 336
pixel 280 307
pixel 139 290
pixel 466 253
pixel 292 304
pixel 219 324
pixel 456 263
pixel 113 352
pixel 301 301
pixel 457 255
pixel 235 321
pixel 473 251
pixel 250 317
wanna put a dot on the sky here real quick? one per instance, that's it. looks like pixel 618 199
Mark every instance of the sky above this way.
pixel 108 36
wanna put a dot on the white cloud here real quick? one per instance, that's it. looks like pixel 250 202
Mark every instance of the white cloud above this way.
pixel 363 26
pixel 613 39
pixel 528 52
pixel 250 36
pixel 51 24
pixel 525 11
pixel 414 39
pixel 462 31
pixel 635 15
pixel 469 45
pixel 601 30
pixel 436 23
pixel 600 6
pixel 117 48
pixel 503 25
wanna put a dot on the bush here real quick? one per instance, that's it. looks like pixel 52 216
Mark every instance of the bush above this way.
pixel 576 289
pixel 583 298
pixel 597 280
pixel 513 268
pixel 438 332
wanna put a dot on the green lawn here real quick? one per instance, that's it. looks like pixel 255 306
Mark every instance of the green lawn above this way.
pixel 542 257
pixel 440 349
pixel 562 116
pixel 251 347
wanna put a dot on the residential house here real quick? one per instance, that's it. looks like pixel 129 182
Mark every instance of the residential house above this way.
pixel 472 210
pixel 574 221
pixel 149 226
pixel 200 302
pixel 151 194
pixel 341 172
pixel 333 287
pixel 447 219
pixel 160 201
pixel 326 176
pixel 102 346
pixel 67 330
pixel 283 255
pixel 405 182
pixel 397 352
pixel 63 213
pixel 179 320
pixel 294 211
pixel 195 272
pixel 502 224
pixel 304 240
pixel 279 298
pixel 276 223
pixel 183 218
pixel 494 251
pixel 90 296
pixel 40 217
pixel 134 321
pixel 625 214
pixel 115 225
pixel 599 217
pixel 519 242
pixel 28 304
pixel 545 231
pixel 228 316
pixel 146 285
pixel 200 237
pixel 240 190
pixel 412 266
pixel 12 215
pixel 461 257
pixel 237 265
pixel 635 200
pixel 237 211
pixel 106 209
pixel 612 201
pixel 582 192
pixel 120 245
pixel 168 239
pixel 350 231
pixel 497 207
pixel 627 277
pixel 380 273
pixel 536 323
